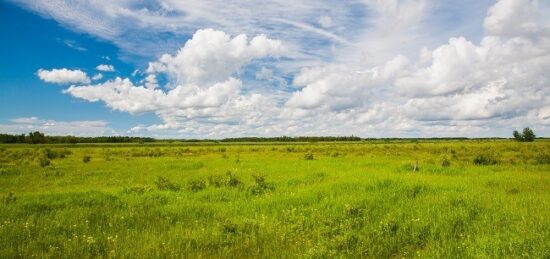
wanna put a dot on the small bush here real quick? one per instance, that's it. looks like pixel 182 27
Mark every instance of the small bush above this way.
pixel 308 156
pixel 9 198
pixel 216 181
pixel 485 159
pixel 445 162
pixel 260 185
pixel 164 184
pixel 86 159
pixel 43 161
pixel 543 158
pixel 196 185
pixel 232 180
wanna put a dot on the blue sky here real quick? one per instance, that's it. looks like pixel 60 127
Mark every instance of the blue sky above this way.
pixel 211 69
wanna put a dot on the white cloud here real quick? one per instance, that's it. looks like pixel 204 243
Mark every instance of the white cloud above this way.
pixel 97 76
pixel 402 69
pixel 54 127
pixel 212 56
pixel 325 21
pixel 63 76
pixel 264 74
pixel 105 68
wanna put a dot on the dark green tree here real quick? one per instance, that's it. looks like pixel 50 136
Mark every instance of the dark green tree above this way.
pixel 517 136
pixel 528 135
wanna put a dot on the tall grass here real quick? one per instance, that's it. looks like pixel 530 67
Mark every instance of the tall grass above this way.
pixel 467 199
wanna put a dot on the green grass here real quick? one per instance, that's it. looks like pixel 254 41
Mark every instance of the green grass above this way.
pixel 282 200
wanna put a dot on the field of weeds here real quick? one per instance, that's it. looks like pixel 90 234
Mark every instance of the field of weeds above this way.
pixel 439 199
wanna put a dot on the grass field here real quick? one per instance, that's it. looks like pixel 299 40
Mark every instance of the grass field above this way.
pixel 482 199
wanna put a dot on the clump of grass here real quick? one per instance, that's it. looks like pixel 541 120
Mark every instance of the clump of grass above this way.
pixel 445 162
pixel 8 172
pixel 485 159
pixel 543 158
pixel 196 185
pixel 53 154
pixel 10 198
pixel 86 159
pixel 308 156
pixel 43 161
pixel 137 189
pixel 164 184
pixel 233 180
pixel 260 185
pixel 216 181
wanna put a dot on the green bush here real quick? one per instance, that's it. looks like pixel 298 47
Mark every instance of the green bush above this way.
pixel 445 162
pixel 260 186
pixel 196 185
pixel 232 180
pixel 43 161
pixel 164 184
pixel 86 159
pixel 485 159
pixel 9 198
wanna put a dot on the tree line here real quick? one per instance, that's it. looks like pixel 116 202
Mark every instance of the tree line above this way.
pixel 39 138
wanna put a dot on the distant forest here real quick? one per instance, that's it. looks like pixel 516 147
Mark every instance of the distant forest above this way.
pixel 40 138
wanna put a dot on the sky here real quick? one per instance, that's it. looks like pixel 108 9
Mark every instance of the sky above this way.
pixel 218 68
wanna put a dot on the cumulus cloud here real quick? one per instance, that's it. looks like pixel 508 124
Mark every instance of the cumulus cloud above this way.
pixel 55 127
pixel 502 79
pixel 394 81
pixel 105 68
pixel 97 76
pixel 202 89
pixel 212 56
pixel 63 76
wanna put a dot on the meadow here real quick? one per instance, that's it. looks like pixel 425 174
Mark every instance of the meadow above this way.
pixel 369 199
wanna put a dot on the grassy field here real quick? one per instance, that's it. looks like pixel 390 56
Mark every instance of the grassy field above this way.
pixel 483 199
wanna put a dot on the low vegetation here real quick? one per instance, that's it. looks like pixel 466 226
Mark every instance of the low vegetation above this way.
pixel 384 199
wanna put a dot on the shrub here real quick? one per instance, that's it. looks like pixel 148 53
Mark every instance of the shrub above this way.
pixel 260 185
pixel 445 162
pixel 308 156
pixel 86 159
pixel 216 181
pixel 197 185
pixel 43 161
pixel 543 158
pixel 485 159
pixel 164 184
pixel 10 198
pixel 232 180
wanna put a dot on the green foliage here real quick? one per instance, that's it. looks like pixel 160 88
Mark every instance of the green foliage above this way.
pixel 485 159
pixel 527 136
pixel 86 159
pixel 43 161
pixel 196 185
pixel 260 186
pixel 164 184
pixel 9 198
pixel 445 162
pixel 366 203
pixel 308 156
